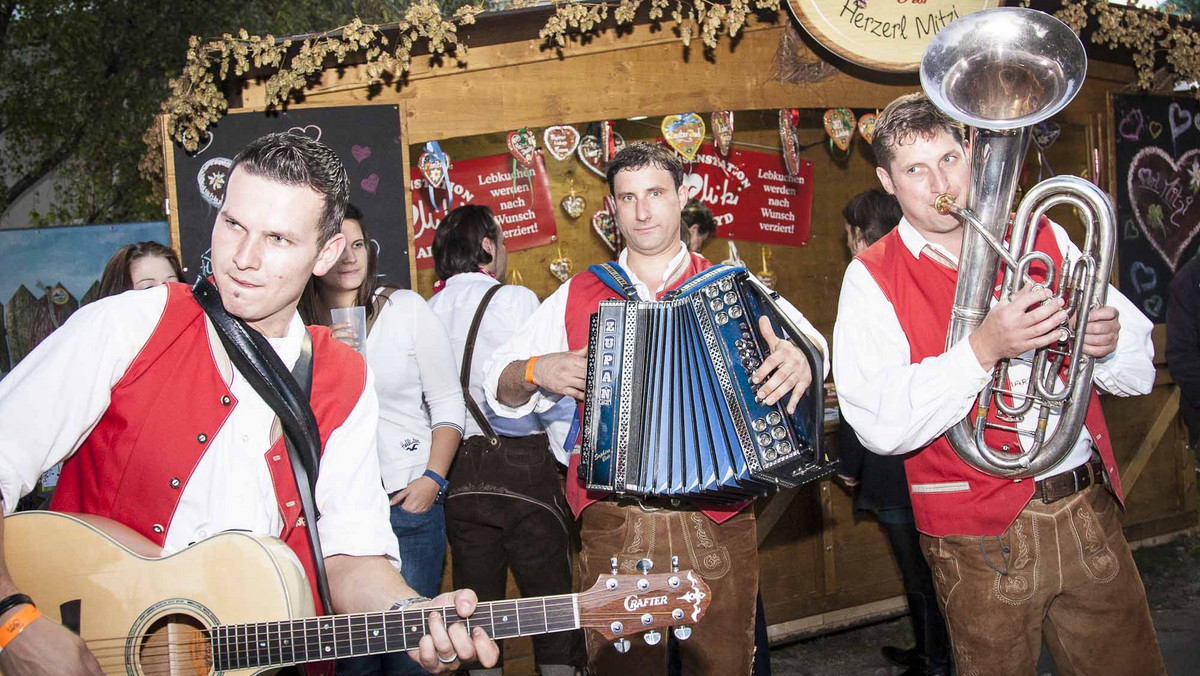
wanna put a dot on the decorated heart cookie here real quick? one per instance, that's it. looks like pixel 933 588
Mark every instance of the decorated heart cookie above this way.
pixel 684 133
pixel 560 141
pixel 522 144
pixel 722 129
pixel 604 225
pixel 839 124
pixel 561 267
pixel 433 167
pixel 573 205
pixel 591 152
pixel 866 126
pixel 787 139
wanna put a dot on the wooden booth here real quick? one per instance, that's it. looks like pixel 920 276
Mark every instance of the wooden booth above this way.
pixel 822 566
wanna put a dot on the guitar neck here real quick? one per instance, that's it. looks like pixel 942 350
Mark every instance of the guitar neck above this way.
pixel 313 639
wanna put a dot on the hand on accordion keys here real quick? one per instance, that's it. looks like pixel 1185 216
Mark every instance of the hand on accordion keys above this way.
pixel 785 370
pixel 562 372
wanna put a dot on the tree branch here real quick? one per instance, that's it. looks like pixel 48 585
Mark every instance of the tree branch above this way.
pixel 44 166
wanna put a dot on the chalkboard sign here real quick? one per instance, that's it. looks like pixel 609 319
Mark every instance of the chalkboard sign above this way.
pixel 1158 193
pixel 366 138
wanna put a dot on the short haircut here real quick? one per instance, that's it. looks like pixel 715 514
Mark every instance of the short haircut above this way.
pixel 117 279
pixel 458 241
pixel 298 160
pixel 906 118
pixel 695 213
pixel 641 154
pixel 871 214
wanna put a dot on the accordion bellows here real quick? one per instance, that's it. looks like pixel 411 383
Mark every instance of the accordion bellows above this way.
pixel 670 410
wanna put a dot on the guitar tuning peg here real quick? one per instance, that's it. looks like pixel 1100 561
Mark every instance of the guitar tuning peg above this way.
pixel 613 562
pixel 683 633
pixel 645 566
pixel 674 564
pixel 652 637
pixel 622 645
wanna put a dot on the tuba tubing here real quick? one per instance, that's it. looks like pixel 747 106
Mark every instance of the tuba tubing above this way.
pixel 1000 71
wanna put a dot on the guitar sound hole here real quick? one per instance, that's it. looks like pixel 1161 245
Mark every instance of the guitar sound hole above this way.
pixel 175 645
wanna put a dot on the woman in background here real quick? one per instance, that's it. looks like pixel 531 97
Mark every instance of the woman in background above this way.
pixel 421 411
pixel 139 266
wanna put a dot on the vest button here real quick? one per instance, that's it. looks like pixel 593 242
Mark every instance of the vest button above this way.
pixel 225 400
pixel 175 482
pixel 157 528
pixel 202 437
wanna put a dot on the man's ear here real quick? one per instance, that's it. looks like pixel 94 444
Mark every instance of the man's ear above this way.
pixel 329 254
pixel 885 179
pixel 683 197
pixel 489 246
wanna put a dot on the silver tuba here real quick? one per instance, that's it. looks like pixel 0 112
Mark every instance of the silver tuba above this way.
pixel 1001 71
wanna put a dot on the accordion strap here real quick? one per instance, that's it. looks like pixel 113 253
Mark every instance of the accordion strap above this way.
pixel 615 278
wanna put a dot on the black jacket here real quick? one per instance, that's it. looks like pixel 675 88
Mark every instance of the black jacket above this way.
pixel 882 481
pixel 1183 343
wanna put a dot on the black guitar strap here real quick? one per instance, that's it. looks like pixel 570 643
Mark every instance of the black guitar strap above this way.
pixel 465 371
pixel 287 394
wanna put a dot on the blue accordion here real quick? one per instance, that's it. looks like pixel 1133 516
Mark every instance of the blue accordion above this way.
pixel 670 411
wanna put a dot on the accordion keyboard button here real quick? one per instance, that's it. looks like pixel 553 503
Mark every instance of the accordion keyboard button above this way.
pixel 716 305
pixel 722 319
pixel 764 439
pixel 784 447
pixel 726 284
pixel 711 291
pixel 735 311
pixel 730 298
pixel 770 454
pixel 773 418
pixel 778 433
pixel 759 425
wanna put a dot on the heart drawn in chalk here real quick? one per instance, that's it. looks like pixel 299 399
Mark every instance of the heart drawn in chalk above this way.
pixel 310 130
pixel 370 183
pixel 1143 276
pixel 1153 306
pixel 606 227
pixel 1131 125
pixel 591 153
pixel 1155 128
pixel 561 141
pixel 1164 204
pixel 360 153
pixel 573 205
pixel 1179 119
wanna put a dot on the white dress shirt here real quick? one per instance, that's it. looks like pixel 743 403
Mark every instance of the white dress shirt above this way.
pixel 417 382
pixel 508 311
pixel 896 406
pixel 54 398
pixel 546 332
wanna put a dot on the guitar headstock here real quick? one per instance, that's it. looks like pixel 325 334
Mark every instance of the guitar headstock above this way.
pixel 621 606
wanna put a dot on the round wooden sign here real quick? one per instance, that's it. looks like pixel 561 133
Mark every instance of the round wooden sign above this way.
pixel 888 35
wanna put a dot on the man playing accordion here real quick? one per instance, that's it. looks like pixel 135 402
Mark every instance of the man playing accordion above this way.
pixel 548 361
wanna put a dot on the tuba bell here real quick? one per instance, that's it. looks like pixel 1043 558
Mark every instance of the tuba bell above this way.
pixel 1001 71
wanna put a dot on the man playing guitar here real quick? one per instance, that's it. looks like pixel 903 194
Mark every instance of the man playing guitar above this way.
pixel 162 436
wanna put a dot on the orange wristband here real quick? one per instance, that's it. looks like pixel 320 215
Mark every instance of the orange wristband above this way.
pixel 529 371
pixel 16 624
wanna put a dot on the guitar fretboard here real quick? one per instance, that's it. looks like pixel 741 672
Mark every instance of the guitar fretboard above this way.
pixel 263 644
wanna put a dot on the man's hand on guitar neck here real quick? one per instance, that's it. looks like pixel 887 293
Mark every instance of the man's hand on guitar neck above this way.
pixel 445 649
pixel 46 648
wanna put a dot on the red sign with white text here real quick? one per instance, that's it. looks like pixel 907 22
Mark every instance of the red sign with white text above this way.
pixel 752 196
pixel 522 208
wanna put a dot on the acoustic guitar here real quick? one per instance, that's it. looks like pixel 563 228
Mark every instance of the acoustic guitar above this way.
pixel 239 604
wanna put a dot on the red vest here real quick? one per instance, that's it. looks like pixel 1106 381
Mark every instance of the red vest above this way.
pixel 165 411
pixel 583 299
pixel 921 291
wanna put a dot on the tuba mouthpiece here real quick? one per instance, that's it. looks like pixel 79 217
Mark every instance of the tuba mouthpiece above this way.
pixel 944 204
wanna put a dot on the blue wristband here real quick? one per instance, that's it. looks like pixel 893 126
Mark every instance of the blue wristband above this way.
pixel 442 483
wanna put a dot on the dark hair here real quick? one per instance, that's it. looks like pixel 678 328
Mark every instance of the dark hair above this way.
pixel 295 159
pixel 871 214
pixel 116 278
pixel 906 118
pixel 695 213
pixel 458 241
pixel 641 154
pixel 313 308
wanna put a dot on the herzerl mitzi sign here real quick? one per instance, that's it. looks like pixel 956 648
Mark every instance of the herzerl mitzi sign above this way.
pixel 888 35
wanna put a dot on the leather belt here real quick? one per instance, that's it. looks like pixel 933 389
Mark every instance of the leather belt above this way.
pixel 1070 482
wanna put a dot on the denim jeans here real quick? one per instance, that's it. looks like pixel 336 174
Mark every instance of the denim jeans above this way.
pixel 422 539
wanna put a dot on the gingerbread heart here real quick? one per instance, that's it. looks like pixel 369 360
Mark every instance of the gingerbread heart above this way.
pixel 839 124
pixel 561 268
pixel 522 144
pixel 433 167
pixel 561 141
pixel 604 225
pixel 684 133
pixel 722 129
pixel 573 205
pixel 591 153
pixel 787 141
pixel 866 127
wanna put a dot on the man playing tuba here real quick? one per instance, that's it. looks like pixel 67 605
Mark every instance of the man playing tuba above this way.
pixel 1010 557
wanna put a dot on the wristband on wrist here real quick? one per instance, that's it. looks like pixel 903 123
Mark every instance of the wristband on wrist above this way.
pixel 529 371
pixel 12 601
pixel 437 478
pixel 17 624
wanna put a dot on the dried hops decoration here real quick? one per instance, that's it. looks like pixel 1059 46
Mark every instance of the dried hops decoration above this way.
pixel 196 100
